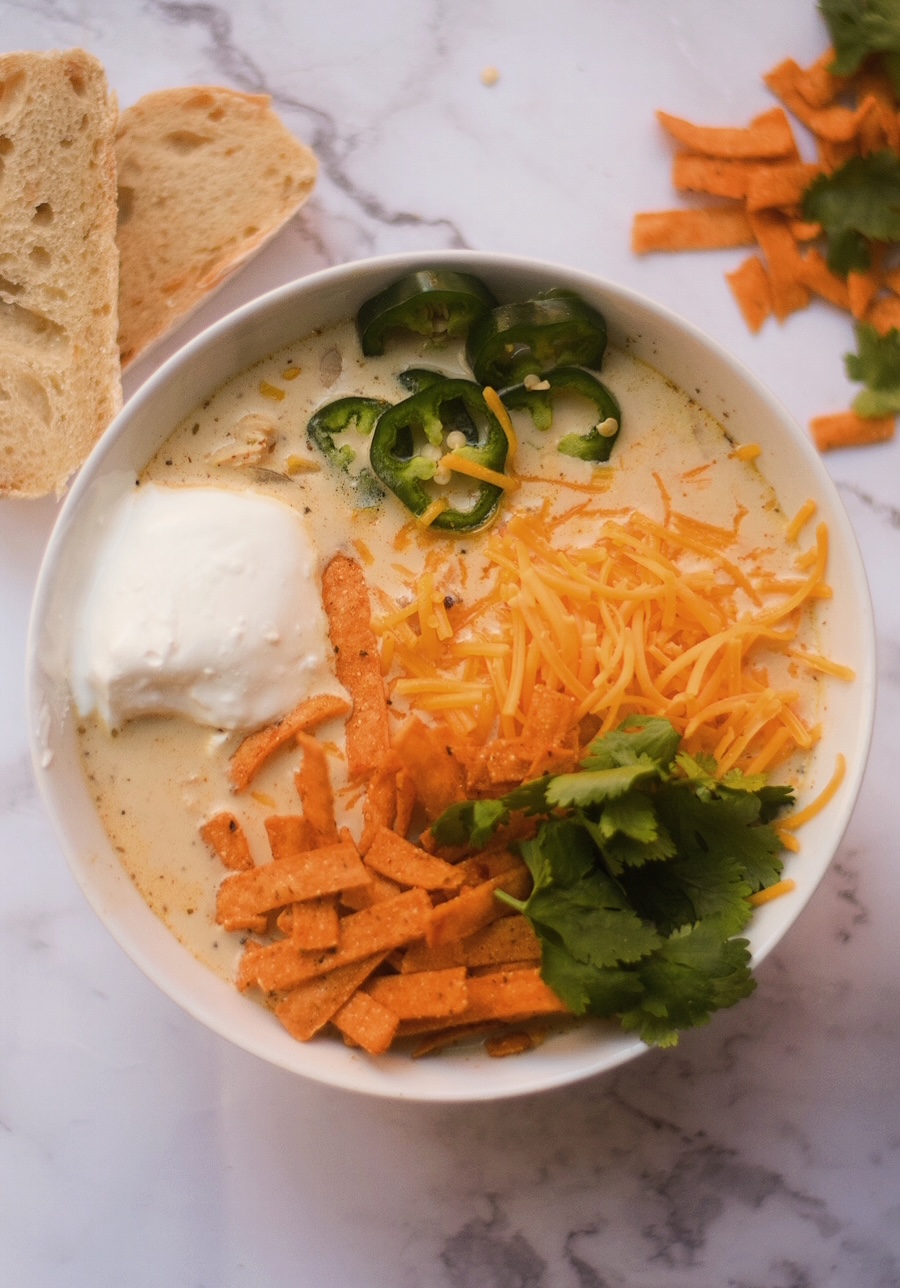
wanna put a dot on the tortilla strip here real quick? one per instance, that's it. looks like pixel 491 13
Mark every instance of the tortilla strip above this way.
pixel 816 274
pixel 392 856
pixel 779 185
pixel 406 802
pixel 346 600
pixel 505 1044
pixel 817 84
pixel 804 230
pixel 502 995
pixel 225 836
pixel 315 924
pixel 378 929
pixel 884 314
pixel 289 834
pixel 378 889
pixel 366 1023
pixel 427 757
pixel 720 178
pixel 768 135
pixel 307 875
pixel 477 907
pixel 773 233
pixel 713 228
pixel 861 290
pixel 380 803
pixel 256 749
pixel 510 939
pixel 752 289
pixel 425 995
pixel 309 1006
pixel 847 429
pixel 836 124
pixel 313 783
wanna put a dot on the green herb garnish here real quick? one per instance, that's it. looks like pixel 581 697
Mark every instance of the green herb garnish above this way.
pixel 859 28
pixel 877 366
pixel 858 202
pixel 643 866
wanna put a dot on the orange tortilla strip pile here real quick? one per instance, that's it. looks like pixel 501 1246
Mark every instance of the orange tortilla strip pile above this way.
pixel 397 943
pixel 758 178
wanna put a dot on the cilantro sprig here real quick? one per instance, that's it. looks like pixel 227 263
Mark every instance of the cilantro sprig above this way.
pixel 859 28
pixel 876 364
pixel 857 204
pixel 643 865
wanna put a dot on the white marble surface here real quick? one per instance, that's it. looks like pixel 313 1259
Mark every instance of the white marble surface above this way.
pixel 139 1151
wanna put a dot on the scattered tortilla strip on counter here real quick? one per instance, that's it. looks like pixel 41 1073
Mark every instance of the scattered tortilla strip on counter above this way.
pixel 345 596
pixel 752 289
pixel 847 429
pixel 715 228
pixel 225 836
pixel 772 231
pixel 256 749
pixel 769 135
pixel 713 175
pixel 815 273
pixel 779 185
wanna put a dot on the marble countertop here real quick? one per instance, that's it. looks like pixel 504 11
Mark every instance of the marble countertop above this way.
pixel 137 1149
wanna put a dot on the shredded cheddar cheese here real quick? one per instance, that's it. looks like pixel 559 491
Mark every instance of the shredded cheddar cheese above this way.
pixel 462 465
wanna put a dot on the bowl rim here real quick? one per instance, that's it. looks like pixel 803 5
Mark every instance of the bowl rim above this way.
pixel 193 352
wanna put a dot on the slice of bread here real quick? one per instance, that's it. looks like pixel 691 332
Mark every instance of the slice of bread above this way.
pixel 206 176
pixel 59 363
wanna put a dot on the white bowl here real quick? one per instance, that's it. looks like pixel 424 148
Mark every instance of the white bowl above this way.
pixel 692 361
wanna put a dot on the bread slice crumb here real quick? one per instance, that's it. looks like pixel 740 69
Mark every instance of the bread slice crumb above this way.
pixel 206 176
pixel 59 365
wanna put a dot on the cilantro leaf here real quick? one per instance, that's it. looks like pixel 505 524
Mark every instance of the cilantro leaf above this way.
pixel 469 823
pixel 877 366
pixel 624 852
pixel 593 920
pixel 727 828
pixel 587 989
pixel 689 889
pixel 593 786
pixel 637 737
pixel 694 973
pixel 862 27
pixel 631 815
pixel 560 854
pixel 861 200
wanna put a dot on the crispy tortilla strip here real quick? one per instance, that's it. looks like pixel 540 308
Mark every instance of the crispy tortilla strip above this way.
pixel 376 891
pixel 427 757
pixel 315 924
pixel 804 230
pixel 313 783
pixel 406 802
pixel 767 136
pixel 476 907
pixel 816 83
pixel 692 173
pixel 309 1006
pixel 815 273
pixel 833 155
pixel 884 314
pixel 256 749
pixel 502 995
pixel 510 939
pixel 289 834
pixel 550 714
pixel 836 124
pixel 225 837
pixel 861 290
pixel 846 429
pixel 713 228
pixel 346 600
pixel 487 864
pixel 752 289
pixel 426 995
pixel 779 185
pixel 445 1038
pixel 772 231
pixel 246 972
pixel 392 856
pixel 293 879
pixel 380 803
pixel 366 1023
pixel 881 129
pixel 505 1044
pixel 379 929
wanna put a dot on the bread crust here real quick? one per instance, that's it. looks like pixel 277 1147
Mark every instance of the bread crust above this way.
pixel 59 372
pixel 197 148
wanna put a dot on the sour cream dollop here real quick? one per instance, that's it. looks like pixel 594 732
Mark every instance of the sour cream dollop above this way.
pixel 204 603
